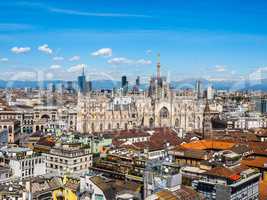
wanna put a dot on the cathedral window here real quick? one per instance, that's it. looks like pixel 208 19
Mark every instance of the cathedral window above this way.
pixel 164 113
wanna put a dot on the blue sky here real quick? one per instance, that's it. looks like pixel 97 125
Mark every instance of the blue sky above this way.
pixel 209 39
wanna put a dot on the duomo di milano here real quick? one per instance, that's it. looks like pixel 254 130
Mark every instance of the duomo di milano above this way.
pixel 159 106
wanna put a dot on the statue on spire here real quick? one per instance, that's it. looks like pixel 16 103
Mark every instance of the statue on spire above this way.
pixel 158 66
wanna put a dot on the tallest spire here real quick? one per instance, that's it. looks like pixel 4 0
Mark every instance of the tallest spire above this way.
pixel 158 66
pixel 83 71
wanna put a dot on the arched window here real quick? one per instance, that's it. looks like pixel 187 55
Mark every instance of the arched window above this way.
pixel 125 126
pixel 10 129
pixel 93 127
pixel 151 123
pixel 164 113
pixel 177 123
pixel 118 125
pixel 109 126
pixel 101 127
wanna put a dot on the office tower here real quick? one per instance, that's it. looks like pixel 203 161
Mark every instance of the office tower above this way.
pixel 52 87
pixel 88 86
pixel 198 89
pixel 60 88
pixel 137 85
pixel 261 106
pixel 137 81
pixel 124 85
pixel 123 81
pixel 210 93
pixel 82 83
pixel 70 88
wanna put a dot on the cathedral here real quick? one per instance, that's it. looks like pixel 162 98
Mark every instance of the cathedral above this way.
pixel 158 106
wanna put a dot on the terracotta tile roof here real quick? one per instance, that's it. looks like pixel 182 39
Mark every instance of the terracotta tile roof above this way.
pixel 129 134
pixel 226 172
pixel 209 144
pixel 258 162
pixel 180 194
pixel 190 153
pixel 158 140
pixel 111 187
pixel 263 190
pixel 164 135
pixel 242 149
pixel 261 132
pixel 259 148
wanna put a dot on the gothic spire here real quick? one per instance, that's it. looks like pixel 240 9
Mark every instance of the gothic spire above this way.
pixel 158 66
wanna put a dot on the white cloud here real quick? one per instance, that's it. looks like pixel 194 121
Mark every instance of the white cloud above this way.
pixel 122 60
pixel 3 59
pixel 44 48
pixel 261 69
pixel 55 66
pixel 143 62
pixel 258 74
pixel 219 68
pixel 119 61
pixel 49 76
pixel 58 58
pixel 93 14
pixel 74 58
pixel 18 50
pixel 76 68
pixel 23 75
pixel 106 52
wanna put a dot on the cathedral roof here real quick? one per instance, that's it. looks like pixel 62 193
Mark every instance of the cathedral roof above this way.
pixel 207 107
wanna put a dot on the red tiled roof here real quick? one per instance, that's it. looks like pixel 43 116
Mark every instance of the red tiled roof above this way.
pixel 158 140
pixel 209 144
pixel 258 162
pixel 226 172
pixel 263 190
pixel 130 134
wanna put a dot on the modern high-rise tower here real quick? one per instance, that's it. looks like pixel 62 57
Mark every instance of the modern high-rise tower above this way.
pixel 82 83
pixel 198 89
pixel 124 85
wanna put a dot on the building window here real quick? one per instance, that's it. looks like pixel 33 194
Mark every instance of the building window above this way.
pixel 93 127
pixel 10 129
pixel 164 113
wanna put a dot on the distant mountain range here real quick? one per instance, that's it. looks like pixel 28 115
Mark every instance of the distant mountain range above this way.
pixel 108 84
